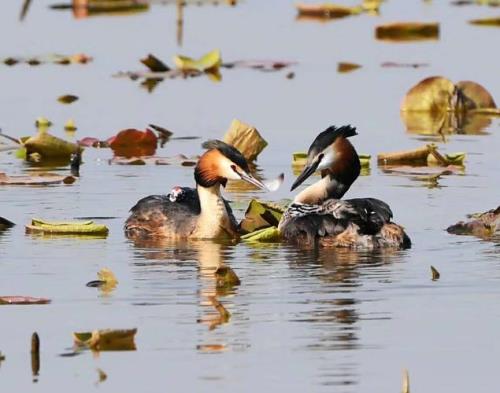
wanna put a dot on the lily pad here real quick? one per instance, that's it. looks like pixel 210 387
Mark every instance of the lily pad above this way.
pixel 154 64
pixel 67 227
pixel 495 21
pixel 268 235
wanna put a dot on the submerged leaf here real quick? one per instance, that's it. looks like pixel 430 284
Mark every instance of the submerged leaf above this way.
pixel 407 31
pixel 226 277
pixel 107 339
pixel 245 138
pixel 23 300
pixel 67 228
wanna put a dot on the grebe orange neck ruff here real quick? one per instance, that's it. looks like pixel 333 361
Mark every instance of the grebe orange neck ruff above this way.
pixel 200 213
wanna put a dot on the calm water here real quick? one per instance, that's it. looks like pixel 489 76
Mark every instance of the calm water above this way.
pixel 301 321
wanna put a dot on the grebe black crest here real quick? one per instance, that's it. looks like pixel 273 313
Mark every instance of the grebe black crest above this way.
pixel 317 215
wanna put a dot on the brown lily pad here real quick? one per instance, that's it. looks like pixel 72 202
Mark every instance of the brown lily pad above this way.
pixel 407 31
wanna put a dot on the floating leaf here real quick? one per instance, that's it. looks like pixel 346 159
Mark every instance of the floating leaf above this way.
pixel 66 228
pixel 435 274
pixel 43 179
pixel 246 139
pixel 326 10
pixel 406 382
pixel 343 67
pixel 132 142
pixel 154 64
pixel 209 61
pixel 23 300
pixel 50 146
pixel 495 21
pixel 432 94
pixel 67 99
pixel 269 234
pixel 407 31
pixel 450 159
pixel 106 339
pixel 393 64
pixel 261 215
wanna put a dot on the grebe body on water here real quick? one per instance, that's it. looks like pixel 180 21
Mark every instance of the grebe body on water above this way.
pixel 317 215
pixel 200 213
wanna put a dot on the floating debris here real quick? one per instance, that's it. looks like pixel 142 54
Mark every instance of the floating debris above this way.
pixel 344 67
pixel 23 300
pixel 42 179
pixel 106 339
pixel 422 156
pixel 226 277
pixel 106 282
pixel 435 274
pixel 35 356
pixel 406 382
pixel 494 22
pixel 67 99
pixel 408 31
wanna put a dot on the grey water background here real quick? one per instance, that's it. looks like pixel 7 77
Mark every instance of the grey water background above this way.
pixel 301 321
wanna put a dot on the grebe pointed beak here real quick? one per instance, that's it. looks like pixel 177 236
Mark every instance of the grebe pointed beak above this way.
pixel 308 171
pixel 252 180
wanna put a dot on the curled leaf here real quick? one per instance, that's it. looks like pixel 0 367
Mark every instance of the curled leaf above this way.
pixel 407 31
pixel 226 277
pixel 260 215
pixel 66 228
pixel 208 62
pixel 132 142
pixel 50 146
pixel 435 274
pixel 107 339
pixel 268 235
pixel 44 179
pixel 246 139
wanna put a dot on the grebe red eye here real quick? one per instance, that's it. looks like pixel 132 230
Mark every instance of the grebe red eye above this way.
pixel 320 157
pixel 233 167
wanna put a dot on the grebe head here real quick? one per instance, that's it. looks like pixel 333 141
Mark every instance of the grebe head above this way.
pixel 220 163
pixel 332 154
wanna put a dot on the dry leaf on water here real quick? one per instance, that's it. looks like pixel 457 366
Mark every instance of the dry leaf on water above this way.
pixel 50 146
pixel 23 300
pixel 133 143
pixel 154 64
pixel 107 281
pixel 495 21
pixel 246 139
pixel 67 99
pixel 343 67
pixel 38 180
pixel 107 339
pixel 407 31
pixel 326 11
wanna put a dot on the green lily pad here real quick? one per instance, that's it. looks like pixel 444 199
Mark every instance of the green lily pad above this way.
pixel 268 235
pixel 261 215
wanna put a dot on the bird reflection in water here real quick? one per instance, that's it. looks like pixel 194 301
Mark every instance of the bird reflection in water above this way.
pixel 213 293
pixel 334 317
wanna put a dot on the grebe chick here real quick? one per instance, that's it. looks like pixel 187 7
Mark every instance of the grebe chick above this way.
pixel 317 215
pixel 200 213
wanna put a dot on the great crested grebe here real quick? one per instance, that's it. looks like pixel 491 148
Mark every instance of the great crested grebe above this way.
pixel 200 213
pixel 318 216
